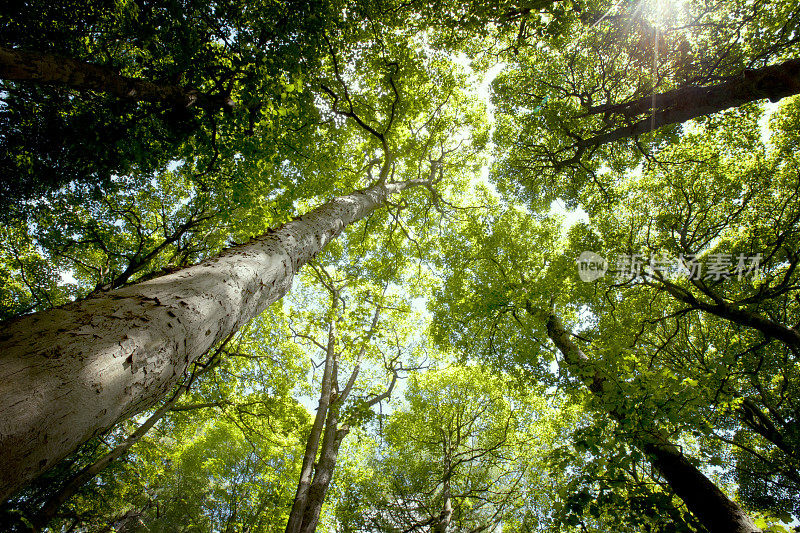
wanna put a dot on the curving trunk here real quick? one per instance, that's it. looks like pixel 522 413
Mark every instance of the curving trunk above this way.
pixel 442 523
pixel 704 499
pixel 680 105
pixel 70 373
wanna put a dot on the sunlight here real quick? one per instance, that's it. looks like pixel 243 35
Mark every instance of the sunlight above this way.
pixel 662 13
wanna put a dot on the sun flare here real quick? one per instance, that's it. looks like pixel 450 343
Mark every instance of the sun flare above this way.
pixel 663 13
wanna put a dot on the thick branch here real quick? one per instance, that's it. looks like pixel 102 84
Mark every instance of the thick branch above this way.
pixel 730 312
pixel 773 82
pixel 19 65
pixel 677 106
pixel 755 418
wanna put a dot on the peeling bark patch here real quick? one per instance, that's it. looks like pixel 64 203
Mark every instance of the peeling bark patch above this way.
pixel 51 353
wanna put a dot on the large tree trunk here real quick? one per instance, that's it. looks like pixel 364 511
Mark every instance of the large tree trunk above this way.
pixel 704 499
pixel 19 65
pixel 74 484
pixel 52 505
pixel 70 373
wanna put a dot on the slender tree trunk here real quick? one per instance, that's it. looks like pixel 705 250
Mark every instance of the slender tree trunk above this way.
pixel 19 65
pixel 306 510
pixel 704 499
pixel 70 373
pixel 324 471
pixel 295 521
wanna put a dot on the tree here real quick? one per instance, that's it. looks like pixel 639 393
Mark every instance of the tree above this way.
pixel 128 367
pixel 731 329
pixel 452 457
pixel 337 412
pixel 139 85
pixel 505 294
pixel 142 363
pixel 218 453
pixel 712 507
pixel 128 265
pixel 604 86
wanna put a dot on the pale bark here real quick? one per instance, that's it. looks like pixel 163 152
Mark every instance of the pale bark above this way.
pixel 329 454
pixel 444 518
pixel 49 509
pixel 70 373
pixel 20 65
pixel 73 485
pixel 704 499
pixel 442 522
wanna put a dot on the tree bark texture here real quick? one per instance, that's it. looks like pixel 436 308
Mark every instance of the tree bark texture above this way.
pixel 70 373
pixel 74 484
pixel 51 506
pixel 704 499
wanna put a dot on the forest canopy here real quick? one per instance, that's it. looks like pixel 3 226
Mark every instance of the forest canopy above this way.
pixel 378 266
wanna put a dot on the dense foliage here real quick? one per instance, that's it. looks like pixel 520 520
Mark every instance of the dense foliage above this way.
pixel 423 337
